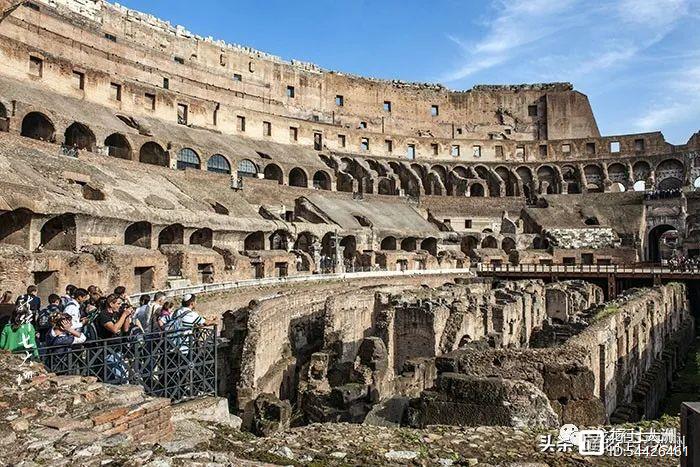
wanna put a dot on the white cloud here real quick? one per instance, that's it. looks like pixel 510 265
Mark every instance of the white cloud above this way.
pixel 653 12
pixel 680 102
pixel 593 38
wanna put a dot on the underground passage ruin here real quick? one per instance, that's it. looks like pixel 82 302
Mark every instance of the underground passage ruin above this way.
pixel 382 253
pixel 468 352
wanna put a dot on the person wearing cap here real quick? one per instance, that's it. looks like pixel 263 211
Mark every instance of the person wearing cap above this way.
pixel 182 322
pixel 186 316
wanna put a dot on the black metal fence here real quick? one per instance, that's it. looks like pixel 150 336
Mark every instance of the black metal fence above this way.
pixel 178 365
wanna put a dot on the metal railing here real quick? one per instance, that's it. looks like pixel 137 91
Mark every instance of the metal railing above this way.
pixel 179 365
pixel 226 286
pixel 636 268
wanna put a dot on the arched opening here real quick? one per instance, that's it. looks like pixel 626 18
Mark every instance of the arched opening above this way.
pixel 489 242
pixel 548 180
pixel 670 183
pixel 641 185
pixel 203 237
pixel 15 227
pixel 254 242
pixel 592 221
pixel 36 125
pixel 571 180
pixel 247 169
pixel 172 235
pixel 297 177
pixel 617 173
pixel 279 240
pixel 138 234
pixel 430 245
pixel 662 243
pixel 468 245
pixel 304 242
pixel 476 190
pixel 59 233
pixel 118 146
pixel 508 244
pixel 349 245
pixel 385 187
pixel 409 244
pixel 219 164
pixel 540 243
pixel 669 175
pixel 188 159
pixel 508 180
pixel 344 182
pixel 80 136
pixel 328 245
pixel 152 153
pixel 322 181
pixel 273 172
pixel 389 243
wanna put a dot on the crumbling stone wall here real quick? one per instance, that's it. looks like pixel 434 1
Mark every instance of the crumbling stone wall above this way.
pixel 615 363
pixel 48 416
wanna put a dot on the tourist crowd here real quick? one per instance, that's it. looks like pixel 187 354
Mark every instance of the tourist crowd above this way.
pixel 663 194
pixel 81 316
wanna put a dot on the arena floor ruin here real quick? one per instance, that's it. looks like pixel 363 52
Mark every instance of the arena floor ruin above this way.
pixel 423 269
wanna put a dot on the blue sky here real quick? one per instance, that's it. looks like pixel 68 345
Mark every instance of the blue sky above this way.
pixel 637 60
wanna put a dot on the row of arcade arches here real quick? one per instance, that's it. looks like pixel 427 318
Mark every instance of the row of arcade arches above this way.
pixel 475 181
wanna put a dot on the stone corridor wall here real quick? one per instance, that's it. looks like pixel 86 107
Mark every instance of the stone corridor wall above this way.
pixel 611 365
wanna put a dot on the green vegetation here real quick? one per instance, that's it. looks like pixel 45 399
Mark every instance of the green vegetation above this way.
pixel 609 310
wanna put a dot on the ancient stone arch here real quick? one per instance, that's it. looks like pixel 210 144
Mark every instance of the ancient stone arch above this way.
pixel 154 154
pixel 36 125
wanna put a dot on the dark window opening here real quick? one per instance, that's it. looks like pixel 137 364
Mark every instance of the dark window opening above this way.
pixel 339 101
pixel 115 91
pixel 237 77
pixel 110 37
pixel 387 106
pixel 639 145
pixel 36 66
pixel 291 92
pixel 434 110
pixel 532 110
pixel 150 101
pixel 179 60
pixel 240 122
pixel 293 133
pixel 267 129
pixel 79 80
pixel 182 114
pixel 467 223
pixel 318 142
pixel 166 83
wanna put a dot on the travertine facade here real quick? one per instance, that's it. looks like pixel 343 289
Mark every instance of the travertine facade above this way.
pixel 328 171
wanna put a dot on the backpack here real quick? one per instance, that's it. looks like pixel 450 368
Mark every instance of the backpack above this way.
pixel 173 327
pixel 43 324
pixel 90 328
